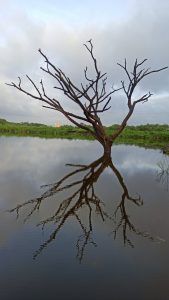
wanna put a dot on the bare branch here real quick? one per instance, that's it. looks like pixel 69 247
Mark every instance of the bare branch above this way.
pixel 92 97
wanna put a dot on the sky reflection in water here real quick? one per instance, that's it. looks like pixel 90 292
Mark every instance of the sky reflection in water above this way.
pixel 85 226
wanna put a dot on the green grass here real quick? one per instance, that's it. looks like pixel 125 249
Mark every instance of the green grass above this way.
pixel 150 135
pixel 41 130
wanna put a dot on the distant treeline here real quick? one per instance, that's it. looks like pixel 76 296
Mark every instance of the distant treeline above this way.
pixel 149 135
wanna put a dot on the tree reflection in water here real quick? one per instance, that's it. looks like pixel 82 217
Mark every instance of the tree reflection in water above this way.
pixel 84 196
pixel 163 172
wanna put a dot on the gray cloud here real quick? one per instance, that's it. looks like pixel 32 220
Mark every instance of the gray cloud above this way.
pixel 142 34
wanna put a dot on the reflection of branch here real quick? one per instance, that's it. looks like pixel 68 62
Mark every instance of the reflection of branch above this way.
pixel 125 221
pixel 83 196
pixel 124 218
pixel 84 239
pixel 127 225
pixel 163 173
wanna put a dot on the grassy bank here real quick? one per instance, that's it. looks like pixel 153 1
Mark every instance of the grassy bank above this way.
pixel 151 136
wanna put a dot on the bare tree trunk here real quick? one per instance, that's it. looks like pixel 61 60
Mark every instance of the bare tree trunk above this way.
pixel 107 147
pixel 92 98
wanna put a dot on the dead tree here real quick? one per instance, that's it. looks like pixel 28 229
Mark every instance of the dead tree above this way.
pixel 92 98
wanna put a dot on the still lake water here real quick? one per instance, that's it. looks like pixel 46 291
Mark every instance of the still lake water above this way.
pixel 110 246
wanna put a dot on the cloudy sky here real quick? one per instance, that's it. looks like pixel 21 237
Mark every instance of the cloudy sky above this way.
pixel 119 29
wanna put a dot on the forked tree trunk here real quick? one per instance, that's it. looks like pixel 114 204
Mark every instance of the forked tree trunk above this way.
pixel 107 147
pixel 92 98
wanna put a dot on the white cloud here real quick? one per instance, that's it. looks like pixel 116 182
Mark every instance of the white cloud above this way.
pixel 143 33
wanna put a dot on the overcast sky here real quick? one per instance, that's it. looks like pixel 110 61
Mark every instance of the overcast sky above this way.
pixel 119 29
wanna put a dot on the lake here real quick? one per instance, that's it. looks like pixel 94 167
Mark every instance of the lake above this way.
pixel 87 230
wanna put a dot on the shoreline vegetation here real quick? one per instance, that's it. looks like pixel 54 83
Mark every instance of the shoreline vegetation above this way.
pixel 148 136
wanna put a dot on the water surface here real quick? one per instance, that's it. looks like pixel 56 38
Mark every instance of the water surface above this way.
pixel 134 265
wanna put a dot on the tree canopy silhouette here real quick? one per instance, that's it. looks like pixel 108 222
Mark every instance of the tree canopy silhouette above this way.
pixel 93 98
